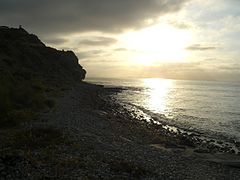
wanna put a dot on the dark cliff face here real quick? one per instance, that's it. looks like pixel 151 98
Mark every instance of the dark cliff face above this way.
pixel 24 55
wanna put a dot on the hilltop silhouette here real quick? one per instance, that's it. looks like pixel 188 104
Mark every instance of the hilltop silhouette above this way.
pixel 24 55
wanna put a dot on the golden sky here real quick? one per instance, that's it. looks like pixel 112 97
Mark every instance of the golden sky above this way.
pixel 177 39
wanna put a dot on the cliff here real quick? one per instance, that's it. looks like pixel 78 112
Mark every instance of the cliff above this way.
pixel 24 55
pixel 29 73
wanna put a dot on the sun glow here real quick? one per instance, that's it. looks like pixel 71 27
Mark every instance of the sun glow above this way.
pixel 156 44
pixel 157 90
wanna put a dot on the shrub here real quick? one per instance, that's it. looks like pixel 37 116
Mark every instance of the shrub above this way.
pixel 20 99
pixel 37 138
pixel 25 95
pixel 50 103
pixel 23 115
pixel 5 102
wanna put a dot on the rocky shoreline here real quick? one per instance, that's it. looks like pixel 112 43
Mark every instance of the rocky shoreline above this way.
pixel 94 137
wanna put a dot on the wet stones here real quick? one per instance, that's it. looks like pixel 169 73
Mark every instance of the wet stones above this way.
pixel 184 140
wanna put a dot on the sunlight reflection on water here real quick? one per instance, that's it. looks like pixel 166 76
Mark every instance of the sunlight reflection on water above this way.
pixel 157 92
pixel 208 107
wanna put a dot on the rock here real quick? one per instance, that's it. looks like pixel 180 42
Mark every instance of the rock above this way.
pixel 237 144
pixel 186 141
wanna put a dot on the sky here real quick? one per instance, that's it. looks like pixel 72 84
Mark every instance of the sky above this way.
pixel 175 39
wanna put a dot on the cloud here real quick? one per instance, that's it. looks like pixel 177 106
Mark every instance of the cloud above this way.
pixel 128 50
pixel 120 49
pixel 89 54
pixel 230 68
pixel 98 41
pixel 180 24
pixel 199 47
pixel 102 62
pixel 192 71
pixel 55 40
pixel 61 16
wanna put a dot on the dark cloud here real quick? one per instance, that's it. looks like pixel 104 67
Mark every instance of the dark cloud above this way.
pixel 199 47
pixel 61 16
pixel 98 41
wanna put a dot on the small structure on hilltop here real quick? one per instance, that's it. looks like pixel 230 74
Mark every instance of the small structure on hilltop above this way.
pixel 4 27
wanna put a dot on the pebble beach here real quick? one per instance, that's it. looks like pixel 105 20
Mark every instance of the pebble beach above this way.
pixel 104 140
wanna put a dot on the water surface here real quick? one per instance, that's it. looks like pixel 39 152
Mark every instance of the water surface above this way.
pixel 210 108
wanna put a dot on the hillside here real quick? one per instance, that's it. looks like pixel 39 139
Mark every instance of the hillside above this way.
pixel 29 70
pixel 23 54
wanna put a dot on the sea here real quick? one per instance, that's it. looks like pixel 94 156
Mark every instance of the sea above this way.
pixel 209 108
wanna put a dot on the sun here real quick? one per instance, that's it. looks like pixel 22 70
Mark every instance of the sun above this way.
pixel 157 44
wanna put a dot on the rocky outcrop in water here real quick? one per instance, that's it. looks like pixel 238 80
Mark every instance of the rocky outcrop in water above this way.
pixel 24 55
